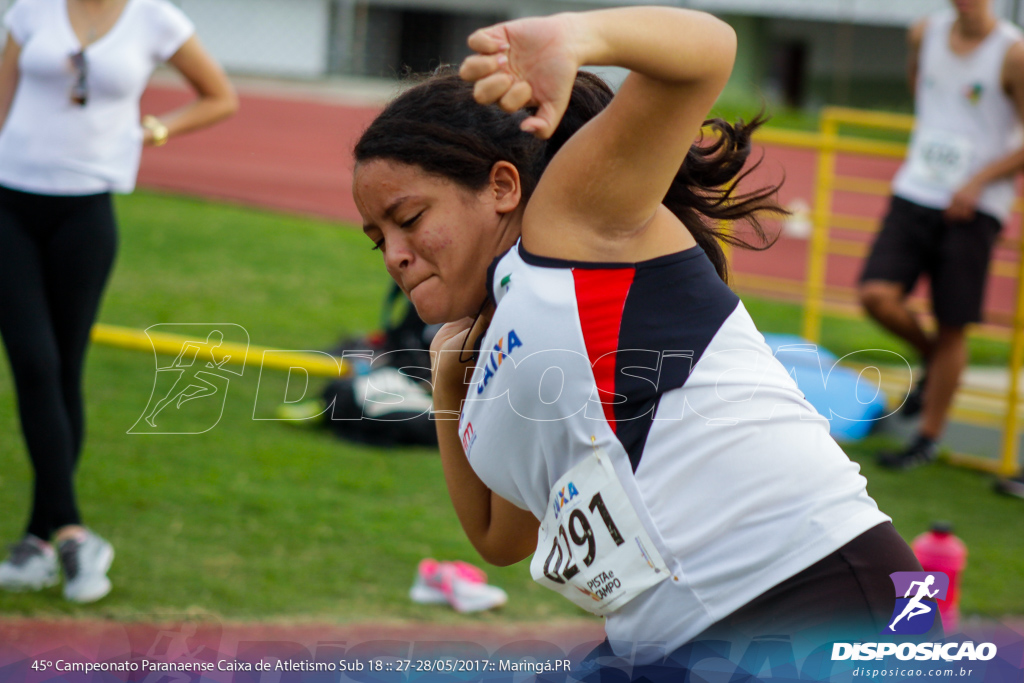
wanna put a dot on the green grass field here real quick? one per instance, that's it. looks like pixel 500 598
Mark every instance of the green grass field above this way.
pixel 257 520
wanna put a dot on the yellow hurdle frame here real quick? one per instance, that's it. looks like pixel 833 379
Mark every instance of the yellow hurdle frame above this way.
pixel 828 142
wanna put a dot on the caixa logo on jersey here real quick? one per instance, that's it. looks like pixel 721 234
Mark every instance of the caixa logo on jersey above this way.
pixel 468 438
pixel 492 363
pixel 566 494
pixel 916 606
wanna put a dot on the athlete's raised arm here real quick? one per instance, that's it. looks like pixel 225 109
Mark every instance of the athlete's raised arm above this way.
pixel 599 198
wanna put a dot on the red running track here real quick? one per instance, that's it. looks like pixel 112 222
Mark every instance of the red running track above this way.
pixel 295 155
pixel 278 153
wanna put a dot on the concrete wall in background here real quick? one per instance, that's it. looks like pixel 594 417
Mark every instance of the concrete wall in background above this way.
pixel 878 12
pixel 273 37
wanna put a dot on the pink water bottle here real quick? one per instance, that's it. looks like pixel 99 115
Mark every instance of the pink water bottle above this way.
pixel 938 550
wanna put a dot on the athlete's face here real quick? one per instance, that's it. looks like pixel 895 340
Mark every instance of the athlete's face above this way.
pixel 971 7
pixel 437 237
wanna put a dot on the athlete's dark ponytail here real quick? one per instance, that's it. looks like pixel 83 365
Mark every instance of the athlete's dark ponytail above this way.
pixel 703 192
pixel 438 126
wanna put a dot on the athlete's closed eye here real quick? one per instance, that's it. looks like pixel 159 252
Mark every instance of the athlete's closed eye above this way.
pixel 379 244
pixel 409 223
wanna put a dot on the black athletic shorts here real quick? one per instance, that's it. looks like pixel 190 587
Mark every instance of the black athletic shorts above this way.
pixel 846 596
pixel 915 239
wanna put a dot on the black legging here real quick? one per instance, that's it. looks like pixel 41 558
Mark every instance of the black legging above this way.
pixel 846 596
pixel 55 255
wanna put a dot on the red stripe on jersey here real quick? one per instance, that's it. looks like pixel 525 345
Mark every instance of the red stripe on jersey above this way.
pixel 601 297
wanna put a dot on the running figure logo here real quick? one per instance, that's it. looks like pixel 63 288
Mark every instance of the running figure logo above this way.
pixel 915 611
pixel 200 370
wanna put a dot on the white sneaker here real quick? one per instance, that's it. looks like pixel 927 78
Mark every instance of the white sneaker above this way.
pixel 460 584
pixel 475 597
pixel 31 566
pixel 426 589
pixel 85 561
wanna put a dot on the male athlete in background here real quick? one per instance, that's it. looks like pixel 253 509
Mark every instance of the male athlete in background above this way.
pixel 950 198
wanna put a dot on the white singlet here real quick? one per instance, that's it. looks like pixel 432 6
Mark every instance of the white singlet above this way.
pixel 964 120
pixel 677 469
pixel 49 144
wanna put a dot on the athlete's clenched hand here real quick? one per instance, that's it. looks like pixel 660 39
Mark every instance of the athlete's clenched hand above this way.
pixel 526 63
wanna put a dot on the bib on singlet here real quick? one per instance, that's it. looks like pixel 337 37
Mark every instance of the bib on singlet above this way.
pixel 591 546
pixel 939 158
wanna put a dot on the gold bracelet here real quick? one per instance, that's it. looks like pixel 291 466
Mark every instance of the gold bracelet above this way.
pixel 159 130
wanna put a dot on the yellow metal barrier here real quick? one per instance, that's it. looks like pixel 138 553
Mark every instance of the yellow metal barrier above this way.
pixel 171 344
pixel 807 140
pixel 819 235
pixel 978 406
pixel 1008 455
pixel 879 120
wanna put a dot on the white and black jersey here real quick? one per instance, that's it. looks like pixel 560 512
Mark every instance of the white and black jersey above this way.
pixel 733 478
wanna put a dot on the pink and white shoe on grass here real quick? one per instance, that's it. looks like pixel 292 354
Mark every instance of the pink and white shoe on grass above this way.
pixel 459 584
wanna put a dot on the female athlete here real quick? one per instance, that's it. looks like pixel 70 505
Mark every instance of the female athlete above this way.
pixel 624 421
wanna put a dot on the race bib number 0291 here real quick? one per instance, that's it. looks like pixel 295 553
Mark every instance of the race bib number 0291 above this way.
pixel 941 159
pixel 591 546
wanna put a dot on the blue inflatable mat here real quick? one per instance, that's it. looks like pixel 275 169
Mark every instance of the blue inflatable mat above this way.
pixel 850 400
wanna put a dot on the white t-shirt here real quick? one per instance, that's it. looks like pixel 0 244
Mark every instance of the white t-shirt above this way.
pixel 49 144
pixel 678 471
pixel 965 120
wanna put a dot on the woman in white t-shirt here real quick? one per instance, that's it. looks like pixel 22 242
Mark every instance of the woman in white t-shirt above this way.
pixel 71 77
pixel 624 422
